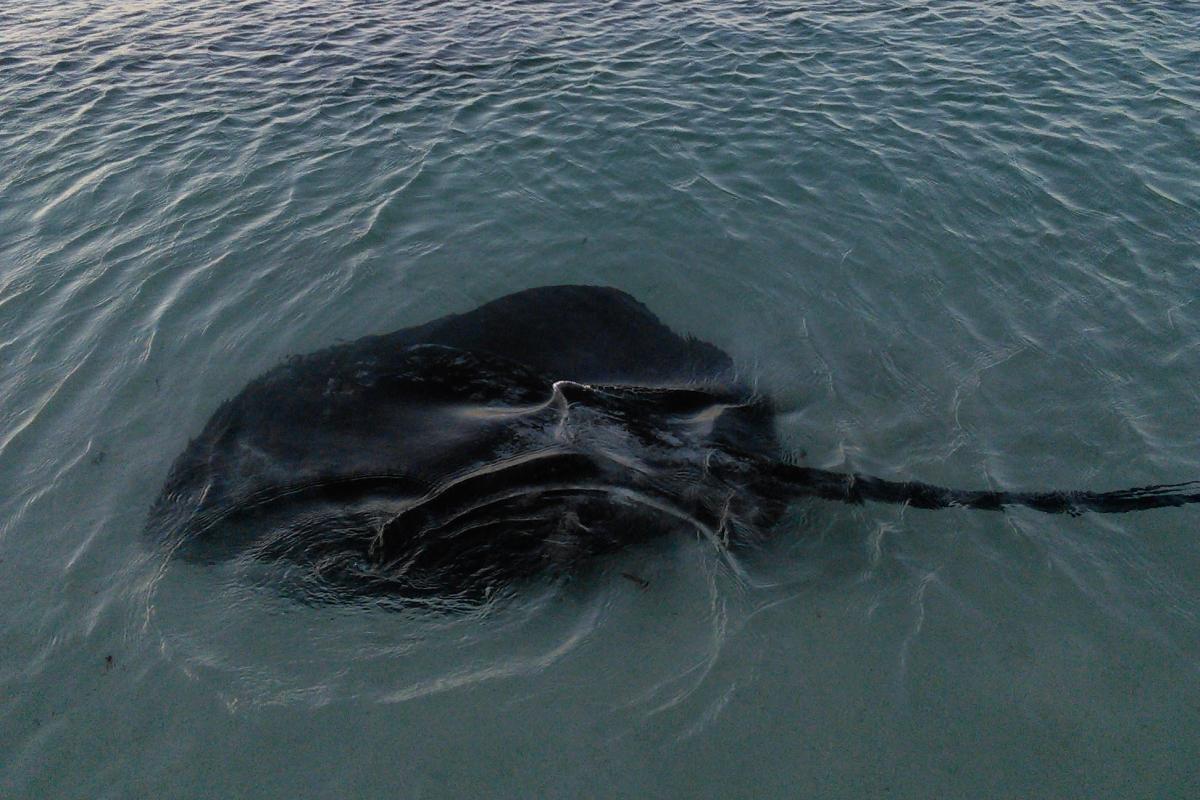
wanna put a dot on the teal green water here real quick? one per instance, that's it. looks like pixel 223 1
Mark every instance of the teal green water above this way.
pixel 958 241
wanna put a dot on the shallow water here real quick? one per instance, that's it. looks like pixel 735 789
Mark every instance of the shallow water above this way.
pixel 958 242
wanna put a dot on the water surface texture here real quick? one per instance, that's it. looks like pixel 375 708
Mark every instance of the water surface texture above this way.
pixel 957 241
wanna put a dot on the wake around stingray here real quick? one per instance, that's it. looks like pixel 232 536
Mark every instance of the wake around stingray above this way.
pixel 525 437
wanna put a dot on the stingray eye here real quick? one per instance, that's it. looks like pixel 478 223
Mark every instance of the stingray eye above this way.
pixel 571 392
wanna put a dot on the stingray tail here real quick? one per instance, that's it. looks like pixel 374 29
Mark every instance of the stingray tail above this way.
pixel 856 488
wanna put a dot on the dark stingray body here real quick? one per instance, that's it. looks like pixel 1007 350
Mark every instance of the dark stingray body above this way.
pixel 523 437
pixel 527 435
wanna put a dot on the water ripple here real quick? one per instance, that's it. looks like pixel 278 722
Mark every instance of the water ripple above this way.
pixel 956 240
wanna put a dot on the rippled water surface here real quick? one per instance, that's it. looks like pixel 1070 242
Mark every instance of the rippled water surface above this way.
pixel 956 241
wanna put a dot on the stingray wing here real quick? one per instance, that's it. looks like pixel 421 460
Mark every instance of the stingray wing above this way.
pixel 589 334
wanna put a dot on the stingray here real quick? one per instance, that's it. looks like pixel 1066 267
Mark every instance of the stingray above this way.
pixel 525 437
